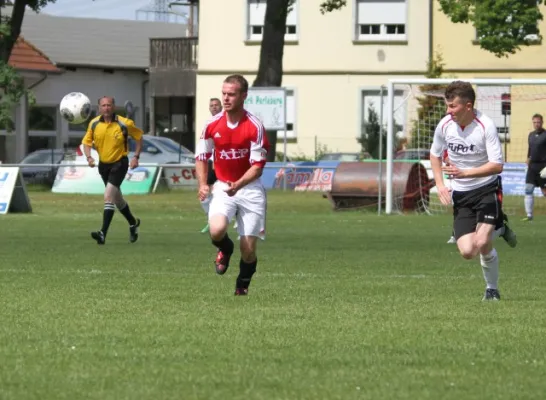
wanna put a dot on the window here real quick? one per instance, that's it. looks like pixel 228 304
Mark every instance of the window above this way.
pixel 43 157
pixel 381 20
pixel 256 17
pixel 489 101
pixel 290 117
pixel 371 103
pixel 42 118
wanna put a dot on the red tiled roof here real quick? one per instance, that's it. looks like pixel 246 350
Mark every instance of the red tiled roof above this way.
pixel 27 57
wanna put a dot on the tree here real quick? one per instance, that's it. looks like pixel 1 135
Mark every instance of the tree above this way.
pixel 502 26
pixel 372 134
pixel 431 106
pixel 12 85
pixel 270 69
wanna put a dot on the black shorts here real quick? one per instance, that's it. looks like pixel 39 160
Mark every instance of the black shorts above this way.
pixel 481 205
pixel 533 175
pixel 114 173
pixel 211 176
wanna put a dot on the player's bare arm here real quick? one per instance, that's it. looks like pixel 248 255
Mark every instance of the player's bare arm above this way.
pixel 488 169
pixel 250 176
pixel 138 149
pixel 444 193
pixel 202 169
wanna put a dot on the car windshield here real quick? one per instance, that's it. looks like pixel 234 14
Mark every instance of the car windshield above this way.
pixel 42 157
pixel 170 144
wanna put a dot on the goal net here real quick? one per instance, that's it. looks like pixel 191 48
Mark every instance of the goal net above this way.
pixel 414 108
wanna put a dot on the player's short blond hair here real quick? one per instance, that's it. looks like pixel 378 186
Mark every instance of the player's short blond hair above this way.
pixel 239 79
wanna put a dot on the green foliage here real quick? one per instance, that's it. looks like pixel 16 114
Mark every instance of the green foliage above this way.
pixel 502 26
pixel 12 85
pixel 331 5
pixel 431 106
pixel 372 134
pixel 320 150
pixel 37 5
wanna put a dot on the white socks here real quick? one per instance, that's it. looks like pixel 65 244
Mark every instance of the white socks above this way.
pixel 490 268
pixel 498 232
pixel 529 203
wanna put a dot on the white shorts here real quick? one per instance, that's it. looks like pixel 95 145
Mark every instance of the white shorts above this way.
pixel 248 206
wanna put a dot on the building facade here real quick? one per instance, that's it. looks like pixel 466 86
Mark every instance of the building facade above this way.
pixel 459 46
pixel 334 64
pixel 112 61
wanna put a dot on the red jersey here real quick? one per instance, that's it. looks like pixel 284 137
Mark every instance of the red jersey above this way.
pixel 234 148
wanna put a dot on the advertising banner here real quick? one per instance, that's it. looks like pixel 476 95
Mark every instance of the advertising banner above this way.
pixel 268 105
pixel 513 180
pixel 180 177
pixel 85 180
pixel 13 192
pixel 300 176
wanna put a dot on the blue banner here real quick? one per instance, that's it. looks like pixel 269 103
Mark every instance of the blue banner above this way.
pixel 513 180
pixel 316 177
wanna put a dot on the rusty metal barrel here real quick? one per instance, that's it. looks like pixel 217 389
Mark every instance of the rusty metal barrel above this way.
pixel 356 185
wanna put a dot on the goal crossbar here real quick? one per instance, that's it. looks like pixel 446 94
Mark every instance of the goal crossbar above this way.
pixel 389 198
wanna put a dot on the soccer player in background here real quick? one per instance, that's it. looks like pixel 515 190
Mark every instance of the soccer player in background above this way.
pixel 109 134
pixel 536 161
pixel 475 164
pixel 238 141
pixel 445 159
pixel 215 107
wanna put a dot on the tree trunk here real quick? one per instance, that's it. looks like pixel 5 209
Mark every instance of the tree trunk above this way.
pixel 16 20
pixel 271 53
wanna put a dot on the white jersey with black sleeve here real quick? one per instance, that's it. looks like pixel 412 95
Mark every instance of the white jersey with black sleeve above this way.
pixel 468 147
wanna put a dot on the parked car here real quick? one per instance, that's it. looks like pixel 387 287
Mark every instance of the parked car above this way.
pixel 412 154
pixel 155 150
pixel 43 174
pixel 162 150
pixel 345 157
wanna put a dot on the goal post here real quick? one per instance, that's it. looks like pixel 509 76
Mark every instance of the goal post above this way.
pixel 415 106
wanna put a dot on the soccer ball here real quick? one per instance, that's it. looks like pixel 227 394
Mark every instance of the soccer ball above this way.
pixel 75 107
pixel 543 173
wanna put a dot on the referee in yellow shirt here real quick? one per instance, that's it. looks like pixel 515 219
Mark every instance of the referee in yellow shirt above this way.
pixel 110 133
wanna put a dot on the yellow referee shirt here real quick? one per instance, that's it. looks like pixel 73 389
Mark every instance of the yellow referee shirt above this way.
pixel 110 139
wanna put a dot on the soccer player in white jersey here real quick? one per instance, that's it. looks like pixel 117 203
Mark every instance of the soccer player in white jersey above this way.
pixel 239 143
pixel 445 159
pixel 475 164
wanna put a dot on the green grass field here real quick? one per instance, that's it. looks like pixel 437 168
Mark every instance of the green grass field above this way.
pixel 344 305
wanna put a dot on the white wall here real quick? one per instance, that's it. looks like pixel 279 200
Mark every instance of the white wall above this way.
pixel 328 109
pixel 122 85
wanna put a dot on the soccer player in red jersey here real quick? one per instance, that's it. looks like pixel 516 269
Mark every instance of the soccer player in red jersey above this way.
pixel 239 144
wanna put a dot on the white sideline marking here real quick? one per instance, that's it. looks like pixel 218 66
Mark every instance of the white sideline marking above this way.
pixel 195 271
pixel 409 276
pixel 131 272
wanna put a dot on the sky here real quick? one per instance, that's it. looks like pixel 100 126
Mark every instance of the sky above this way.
pixel 107 9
